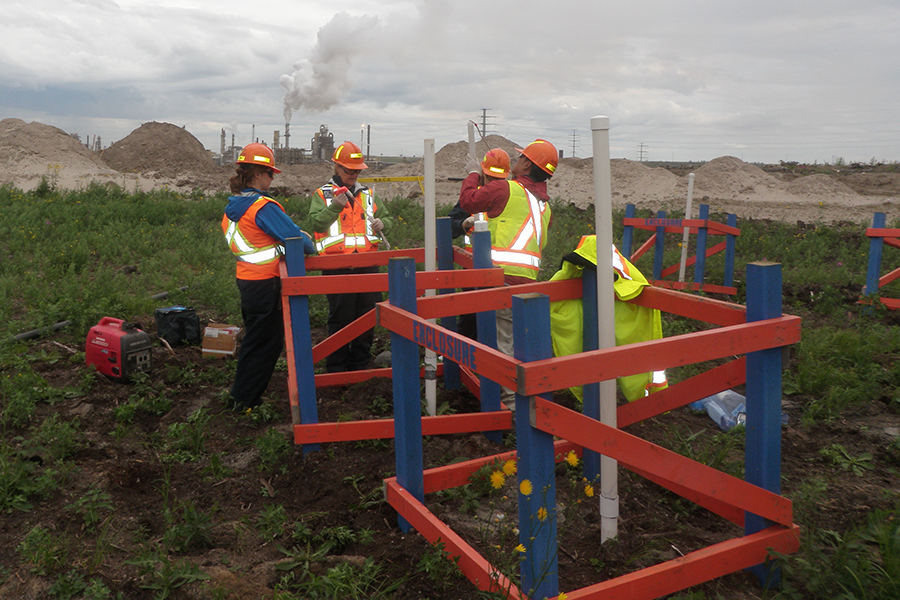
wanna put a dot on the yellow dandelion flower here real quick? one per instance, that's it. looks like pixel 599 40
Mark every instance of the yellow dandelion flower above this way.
pixel 572 458
pixel 497 480
pixel 525 487
pixel 520 548
pixel 589 491
pixel 562 596
pixel 509 468
pixel 542 514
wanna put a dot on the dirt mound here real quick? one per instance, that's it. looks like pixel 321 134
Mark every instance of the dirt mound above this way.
pixel 820 185
pixel 160 148
pixel 731 178
pixel 29 151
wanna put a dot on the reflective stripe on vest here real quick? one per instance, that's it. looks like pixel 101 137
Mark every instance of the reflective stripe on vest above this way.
pixel 245 251
pixel 336 236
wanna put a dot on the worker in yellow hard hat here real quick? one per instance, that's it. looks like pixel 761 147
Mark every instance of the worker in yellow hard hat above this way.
pixel 348 218
pixel 256 227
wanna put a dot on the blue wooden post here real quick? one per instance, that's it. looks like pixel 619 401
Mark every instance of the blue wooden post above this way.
pixel 486 322
pixel 658 248
pixel 702 233
pixel 537 527
pixel 762 454
pixel 301 336
pixel 591 337
pixel 729 251
pixel 445 263
pixel 876 248
pixel 628 232
pixel 407 392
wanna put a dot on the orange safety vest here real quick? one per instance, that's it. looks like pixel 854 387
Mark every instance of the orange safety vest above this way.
pixel 352 230
pixel 257 251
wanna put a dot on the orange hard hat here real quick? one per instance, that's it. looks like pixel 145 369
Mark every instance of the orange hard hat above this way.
pixel 349 156
pixel 543 154
pixel 495 163
pixel 258 154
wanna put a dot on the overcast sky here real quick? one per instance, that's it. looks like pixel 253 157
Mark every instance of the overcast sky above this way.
pixel 693 80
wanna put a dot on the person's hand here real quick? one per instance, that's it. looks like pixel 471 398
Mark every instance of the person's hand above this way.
pixel 340 196
pixel 377 225
pixel 472 165
pixel 468 223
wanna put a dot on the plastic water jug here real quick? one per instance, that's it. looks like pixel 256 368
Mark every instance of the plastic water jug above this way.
pixel 726 408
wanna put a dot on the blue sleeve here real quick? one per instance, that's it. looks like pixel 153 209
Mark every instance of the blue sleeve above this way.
pixel 276 223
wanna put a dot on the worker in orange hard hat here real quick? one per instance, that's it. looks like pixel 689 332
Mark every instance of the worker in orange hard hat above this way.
pixel 348 218
pixel 519 218
pixel 256 227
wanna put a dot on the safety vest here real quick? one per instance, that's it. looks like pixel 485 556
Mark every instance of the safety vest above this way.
pixel 352 230
pixel 633 323
pixel 519 233
pixel 257 251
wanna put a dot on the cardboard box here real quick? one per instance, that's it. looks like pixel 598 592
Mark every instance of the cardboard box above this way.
pixel 220 340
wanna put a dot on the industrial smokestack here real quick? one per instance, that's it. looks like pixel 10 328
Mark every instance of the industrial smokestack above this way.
pixel 287 135
pixel 222 143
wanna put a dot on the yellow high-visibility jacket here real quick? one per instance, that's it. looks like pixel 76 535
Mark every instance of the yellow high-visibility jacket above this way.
pixel 633 323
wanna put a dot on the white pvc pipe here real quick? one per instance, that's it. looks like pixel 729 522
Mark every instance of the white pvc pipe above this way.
pixel 687 230
pixel 606 318
pixel 430 265
pixel 472 141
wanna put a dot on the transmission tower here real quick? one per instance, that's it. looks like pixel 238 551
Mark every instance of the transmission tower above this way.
pixel 484 121
pixel 642 152
pixel 574 142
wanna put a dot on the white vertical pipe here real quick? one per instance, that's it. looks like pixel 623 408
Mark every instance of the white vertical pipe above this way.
pixel 430 265
pixel 606 319
pixel 472 141
pixel 687 230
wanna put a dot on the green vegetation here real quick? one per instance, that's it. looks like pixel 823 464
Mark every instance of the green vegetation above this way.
pixel 78 256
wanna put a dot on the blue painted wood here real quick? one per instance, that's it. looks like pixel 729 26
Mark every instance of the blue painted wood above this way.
pixel 730 241
pixel 702 234
pixel 486 322
pixel 445 263
pixel 591 458
pixel 658 248
pixel 301 336
pixel 876 249
pixel 539 570
pixel 407 392
pixel 628 233
pixel 762 455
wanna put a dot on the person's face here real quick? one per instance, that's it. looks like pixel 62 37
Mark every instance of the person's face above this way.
pixel 522 166
pixel 262 181
pixel 348 176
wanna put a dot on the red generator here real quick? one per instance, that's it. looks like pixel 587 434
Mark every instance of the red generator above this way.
pixel 118 349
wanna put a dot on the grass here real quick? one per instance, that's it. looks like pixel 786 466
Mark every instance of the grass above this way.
pixel 78 256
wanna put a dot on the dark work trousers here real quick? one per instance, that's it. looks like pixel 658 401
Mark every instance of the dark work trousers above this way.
pixel 262 342
pixel 343 309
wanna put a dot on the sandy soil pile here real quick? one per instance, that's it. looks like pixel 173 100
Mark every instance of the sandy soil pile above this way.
pixel 160 155
pixel 160 148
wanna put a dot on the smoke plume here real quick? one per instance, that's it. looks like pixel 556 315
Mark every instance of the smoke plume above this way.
pixel 319 82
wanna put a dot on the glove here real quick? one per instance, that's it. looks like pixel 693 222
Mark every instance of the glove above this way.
pixel 468 223
pixel 340 196
pixel 472 165
pixel 377 225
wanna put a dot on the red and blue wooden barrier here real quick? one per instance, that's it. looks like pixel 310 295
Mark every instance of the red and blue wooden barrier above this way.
pixel 880 236
pixel 703 228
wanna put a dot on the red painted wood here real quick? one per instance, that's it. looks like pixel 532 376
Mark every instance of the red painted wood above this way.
pixel 889 277
pixel 684 392
pixel 553 374
pixel 691 261
pixel 884 232
pixel 360 259
pixel 343 336
pixel 488 361
pixel 651 241
pixel 697 287
pixel 351 377
pixel 708 310
pixel 892 242
pixel 470 381
pixel 463 258
pixel 664 464
pixel 476 569
pixel 695 567
pixel 348 431
pixel 493 299
pixel 378 282
pixel 891 303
